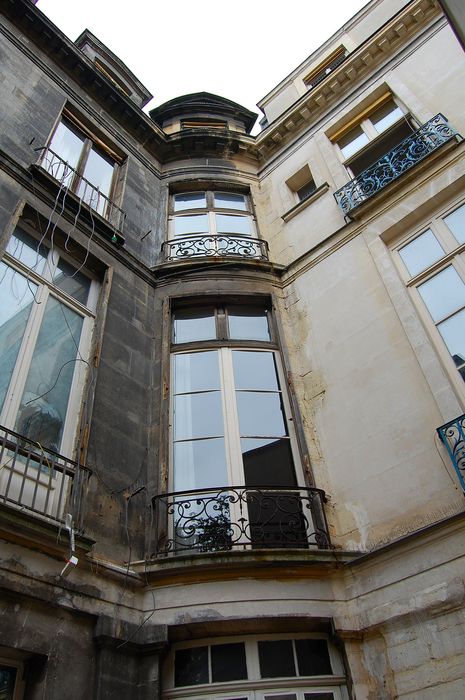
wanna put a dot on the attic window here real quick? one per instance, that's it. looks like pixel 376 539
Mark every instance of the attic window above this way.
pixel 111 77
pixel 203 124
pixel 302 183
pixel 332 62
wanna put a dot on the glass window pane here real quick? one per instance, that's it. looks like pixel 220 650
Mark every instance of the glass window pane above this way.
pixel 191 666
pixel 98 171
pixel 276 659
pixel 456 223
pixel 197 223
pixel 268 462
pixel 385 116
pixel 228 662
pixel 421 252
pixel 352 142
pixel 193 324
pixel 7 682
pixel 198 415
pixel 27 249
pixel 199 464
pixel 44 403
pixel 190 200
pixel 318 696
pixel 225 200
pixel 260 414
pixel 16 302
pixel 74 283
pixel 313 657
pixel 443 293
pixel 453 333
pixel 248 324
pixel 196 371
pixel 67 145
pixel 228 223
pixel 255 370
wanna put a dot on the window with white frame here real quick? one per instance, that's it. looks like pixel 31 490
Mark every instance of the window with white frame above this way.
pixel 47 304
pixel 83 164
pixel 288 667
pixel 211 213
pixel 235 473
pixel 433 263
pixel 370 136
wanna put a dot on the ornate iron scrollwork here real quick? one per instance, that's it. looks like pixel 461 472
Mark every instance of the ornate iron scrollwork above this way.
pixel 219 246
pixel 452 435
pixel 215 520
pixel 427 139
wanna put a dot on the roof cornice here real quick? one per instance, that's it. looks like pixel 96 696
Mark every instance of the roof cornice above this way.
pixel 359 63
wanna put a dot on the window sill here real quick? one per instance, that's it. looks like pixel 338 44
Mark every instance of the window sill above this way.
pixel 38 532
pixel 305 202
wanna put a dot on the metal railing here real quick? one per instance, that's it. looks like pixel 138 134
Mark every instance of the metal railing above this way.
pixel 88 193
pixel 412 150
pixel 452 435
pixel 217 246
pixel 240 517
pixel 38 480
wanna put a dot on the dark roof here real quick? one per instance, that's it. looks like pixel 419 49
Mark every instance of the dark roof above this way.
pixel 205 104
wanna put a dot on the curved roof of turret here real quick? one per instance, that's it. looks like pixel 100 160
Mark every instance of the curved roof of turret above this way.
pixel 204 103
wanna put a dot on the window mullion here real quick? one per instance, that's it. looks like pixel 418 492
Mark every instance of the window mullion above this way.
pixel 231 421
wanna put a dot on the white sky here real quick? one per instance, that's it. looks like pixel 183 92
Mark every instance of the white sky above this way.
pixel 239 49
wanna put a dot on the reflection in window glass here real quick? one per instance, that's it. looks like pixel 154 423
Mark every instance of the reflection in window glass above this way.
pixel 421 253
pixel 228 662
pixel 353 141
pixel 268 462
pixel 190 200
pixel 228 223
pixel 193 324
pixel 456 223
pixel 199 464
pixel 68 145
pixel 198 415
pixel 443 293
pixel 453 333
pixel 7 682
pixel 276 658
pixel 191 666
pixel 313 657
pixel 226 200
pixel 196 371
pixel 44 402
pixel 28 250
pixel 197 223
pixel 260 414
pixel 385 116
pixel 16 301
pixel 255 370
pixel 248 324
pixel 71 281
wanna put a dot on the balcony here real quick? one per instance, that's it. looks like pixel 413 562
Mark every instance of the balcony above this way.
pixel 408 153
pixel 215 246
pixel 240 517
pixel 87 193
pixel 39 481
pixel 452 435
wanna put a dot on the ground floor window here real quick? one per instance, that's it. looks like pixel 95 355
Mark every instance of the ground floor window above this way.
pixel 289 667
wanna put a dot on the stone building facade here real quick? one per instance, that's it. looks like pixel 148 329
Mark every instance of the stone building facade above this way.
pixel 232 373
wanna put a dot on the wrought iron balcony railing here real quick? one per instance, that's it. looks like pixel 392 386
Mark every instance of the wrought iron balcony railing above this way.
pixel 452 435
pixel 38 480
pixel 217 246
pixel 412 150
pixel 87 193
pixel 240 517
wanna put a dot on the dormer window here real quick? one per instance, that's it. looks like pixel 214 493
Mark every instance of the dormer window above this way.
pixel 324 69
pixel 203 124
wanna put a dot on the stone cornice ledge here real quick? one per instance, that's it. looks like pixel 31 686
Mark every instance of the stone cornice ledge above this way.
pixel 300 206
pixel 361 61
